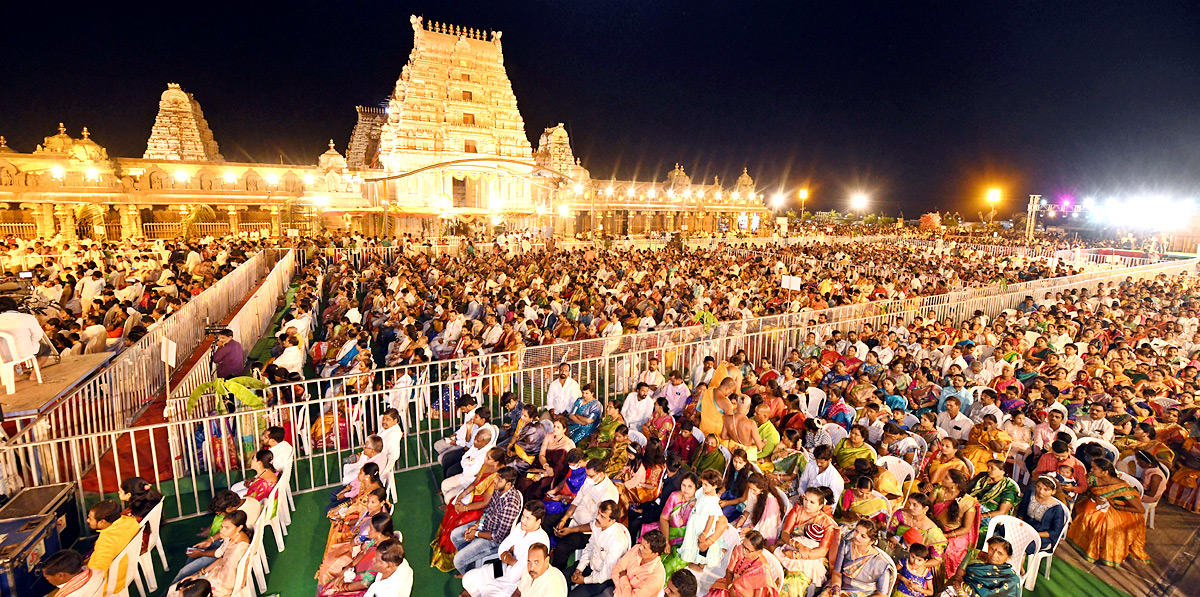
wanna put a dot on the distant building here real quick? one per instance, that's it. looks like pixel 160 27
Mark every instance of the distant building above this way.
pixel 451 146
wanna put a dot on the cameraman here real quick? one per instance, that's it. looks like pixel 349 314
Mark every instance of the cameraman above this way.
pixel 24 327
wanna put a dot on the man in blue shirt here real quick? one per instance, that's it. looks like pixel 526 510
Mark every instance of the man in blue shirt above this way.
pixel 956 388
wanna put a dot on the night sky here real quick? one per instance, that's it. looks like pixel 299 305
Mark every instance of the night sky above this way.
pixel 922 105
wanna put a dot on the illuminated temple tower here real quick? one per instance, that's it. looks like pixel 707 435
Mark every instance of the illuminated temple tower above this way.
pixel 180 131
pixel 453 108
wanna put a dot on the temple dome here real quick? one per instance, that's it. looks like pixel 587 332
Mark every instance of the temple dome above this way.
pixel 331 159
pixel 86 150
pixel 80 150
pixel 4 148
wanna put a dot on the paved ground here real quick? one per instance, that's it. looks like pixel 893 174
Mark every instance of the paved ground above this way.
pixel 1172 546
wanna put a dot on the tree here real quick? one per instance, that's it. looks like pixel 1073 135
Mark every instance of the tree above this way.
pixel 790 214
pixel 886 221
pixel 240 388
pixel 931 221
pixel 195 214
pixel 87 217
pixel 871 219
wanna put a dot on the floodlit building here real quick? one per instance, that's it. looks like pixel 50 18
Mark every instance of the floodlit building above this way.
pixel 450 152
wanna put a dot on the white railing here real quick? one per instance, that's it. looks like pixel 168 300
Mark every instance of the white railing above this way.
pixel 23 230
pixel 110 399
pixel 200 456
pixel 248 325
pixel 206 454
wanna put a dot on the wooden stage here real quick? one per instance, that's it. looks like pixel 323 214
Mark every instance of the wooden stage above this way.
pixel 58 379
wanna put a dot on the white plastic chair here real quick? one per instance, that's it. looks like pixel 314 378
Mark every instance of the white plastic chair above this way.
pixel 776 568
pixel 389 482
pixel 153 523
pixel 699 435
pixel 816 397
pixel 1133 481
pixel 1018 532
pixel 284 488
pixel 124 567
pixel 1035 560
pixel 901 470
pixel 1166 403
pixel 260 565
pixel 836 432
pixel 243 581
pixel 637 437
pixel 8 368
pixel 893 572
pixel 275 521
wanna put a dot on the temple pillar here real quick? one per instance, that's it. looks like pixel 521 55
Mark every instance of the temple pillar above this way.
pixel 66 221
pixel 131 221
pixel 275 221
pixel 234 220
pixel 43 218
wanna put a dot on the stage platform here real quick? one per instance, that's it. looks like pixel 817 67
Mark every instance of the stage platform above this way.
pixel 58 379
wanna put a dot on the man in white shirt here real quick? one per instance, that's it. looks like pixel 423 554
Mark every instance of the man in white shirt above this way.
pixel 821 472
pixel 292 358
pixel 395 575
pixel 598 488
pixel 1095 424
pixel 563 391
pixel 652 376
pixel 609 542
pixel 392 435
pixel 67 570
pixel 26 330
pixel 953 422
pixel 638 407
pixel 986 406
pixel 705 373
pixel 540 580
pixel 89 289
pixel 676 393
pixel 501 579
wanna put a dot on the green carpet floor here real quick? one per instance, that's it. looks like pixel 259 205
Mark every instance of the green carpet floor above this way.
pixel 417 516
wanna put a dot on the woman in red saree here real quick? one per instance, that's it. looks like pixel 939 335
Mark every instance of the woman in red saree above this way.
pixel 466 507
pixel 748 574
pixel 957 512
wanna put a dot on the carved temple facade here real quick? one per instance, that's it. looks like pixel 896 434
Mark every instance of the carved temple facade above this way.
pixel 450 145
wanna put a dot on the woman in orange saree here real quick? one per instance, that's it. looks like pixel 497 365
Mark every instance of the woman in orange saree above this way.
pixel 1110 523
pixel 464 508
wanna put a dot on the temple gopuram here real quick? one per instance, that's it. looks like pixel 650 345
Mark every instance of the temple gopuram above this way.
pixel 449 151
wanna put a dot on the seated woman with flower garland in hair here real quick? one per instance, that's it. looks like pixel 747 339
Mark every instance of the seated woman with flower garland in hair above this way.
pixel 345 535
pixel 352 573
pixel 988 574
pixel 766 506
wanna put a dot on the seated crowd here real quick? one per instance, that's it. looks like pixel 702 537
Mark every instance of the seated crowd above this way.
pixel 408 309
pixel 867 459
pixel 94 297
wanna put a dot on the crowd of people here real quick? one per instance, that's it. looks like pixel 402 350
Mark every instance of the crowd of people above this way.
pixel 732 474
pixel 409 307
pixel 1077 408
pixel 82 297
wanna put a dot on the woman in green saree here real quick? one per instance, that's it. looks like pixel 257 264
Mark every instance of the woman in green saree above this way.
pixel 600 445
pixel 997 493
pixel 709 456
pixel 988 575
pixel 852 448
pixel 786 462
